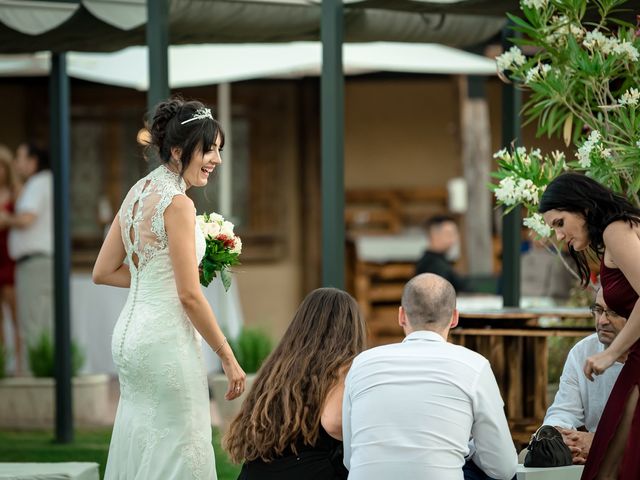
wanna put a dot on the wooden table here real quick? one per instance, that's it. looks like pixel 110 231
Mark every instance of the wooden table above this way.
pixel 515 343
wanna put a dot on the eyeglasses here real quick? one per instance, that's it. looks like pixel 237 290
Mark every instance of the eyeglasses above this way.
pixel 597 311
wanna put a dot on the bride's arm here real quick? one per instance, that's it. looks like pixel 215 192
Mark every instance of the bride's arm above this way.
pixel 109 268
pixel 179 222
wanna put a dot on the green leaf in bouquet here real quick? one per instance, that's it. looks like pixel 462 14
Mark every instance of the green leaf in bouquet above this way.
pixel 225 276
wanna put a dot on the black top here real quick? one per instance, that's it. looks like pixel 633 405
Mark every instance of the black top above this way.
pixel 434 262
pixel 323 461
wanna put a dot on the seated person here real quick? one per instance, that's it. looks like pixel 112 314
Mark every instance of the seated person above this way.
pixel 579 402
pixel 410 408
pixel 442 247
pixel 542 274
pixel 290 424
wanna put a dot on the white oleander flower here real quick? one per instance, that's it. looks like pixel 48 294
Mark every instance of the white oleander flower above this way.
pixel 630 97
pixel 584 152
pixel 536 223
pixel 561 28
pixel 227 229
pixel 503 154
pixel 536 153
pixel 558 156
pixel 506 191
pixel 626 48
pixel 510 58
pixel 605 153
pixel 539 72
pixel 527 191
pixel 595 40
pixel 537 4
pixel 512 191
pixel 237 246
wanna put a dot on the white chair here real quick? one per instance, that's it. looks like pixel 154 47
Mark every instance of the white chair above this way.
pixel 572 472
pixel 50 471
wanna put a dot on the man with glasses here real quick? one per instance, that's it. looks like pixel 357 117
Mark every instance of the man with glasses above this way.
pixel 579 402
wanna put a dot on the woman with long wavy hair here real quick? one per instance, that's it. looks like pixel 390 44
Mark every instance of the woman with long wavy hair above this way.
pixel 290 425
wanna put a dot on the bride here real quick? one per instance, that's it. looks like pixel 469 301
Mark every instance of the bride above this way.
pixel 163 425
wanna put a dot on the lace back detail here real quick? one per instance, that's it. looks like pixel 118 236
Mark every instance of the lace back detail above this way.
pixel 142 215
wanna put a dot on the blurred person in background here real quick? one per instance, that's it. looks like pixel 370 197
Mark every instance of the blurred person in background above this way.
pixel 31 242
pixel 9 187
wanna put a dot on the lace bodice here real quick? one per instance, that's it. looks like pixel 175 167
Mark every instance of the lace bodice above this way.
pixel 142 217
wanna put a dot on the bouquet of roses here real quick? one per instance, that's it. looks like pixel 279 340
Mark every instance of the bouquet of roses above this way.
pixel 223 249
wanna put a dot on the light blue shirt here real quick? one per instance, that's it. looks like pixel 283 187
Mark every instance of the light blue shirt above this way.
pixel 409 410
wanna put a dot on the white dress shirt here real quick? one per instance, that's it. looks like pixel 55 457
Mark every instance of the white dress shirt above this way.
pixel 37 198
pixel 409 410
pixel 578 401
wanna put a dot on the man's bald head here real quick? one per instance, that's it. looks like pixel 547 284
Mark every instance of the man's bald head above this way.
pixel 428 301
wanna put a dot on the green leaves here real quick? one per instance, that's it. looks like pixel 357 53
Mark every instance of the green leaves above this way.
pixel 42 358
pixel 251 348
pixel 589 71
pixel 217 258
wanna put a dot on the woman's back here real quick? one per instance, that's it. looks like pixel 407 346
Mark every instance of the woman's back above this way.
pixel 322 461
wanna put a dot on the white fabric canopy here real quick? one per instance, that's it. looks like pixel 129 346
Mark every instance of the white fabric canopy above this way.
pixel 193 65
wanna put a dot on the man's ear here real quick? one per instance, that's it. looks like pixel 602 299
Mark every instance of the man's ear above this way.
pixel 454 319
pixel 402 317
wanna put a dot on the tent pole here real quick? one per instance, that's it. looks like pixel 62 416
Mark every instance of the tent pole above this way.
pixel 157 32
pixel 511 223
pixel 332 140
pixel 60 133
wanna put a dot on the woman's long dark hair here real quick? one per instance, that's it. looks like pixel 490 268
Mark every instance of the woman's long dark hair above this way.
pixel 598 205
pixel 283 408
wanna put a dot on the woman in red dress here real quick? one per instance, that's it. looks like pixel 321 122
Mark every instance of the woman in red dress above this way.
pixel 8 193
pixel 591 218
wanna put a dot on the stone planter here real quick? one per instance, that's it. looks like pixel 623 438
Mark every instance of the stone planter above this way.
pixel 29 403
pixel 228 409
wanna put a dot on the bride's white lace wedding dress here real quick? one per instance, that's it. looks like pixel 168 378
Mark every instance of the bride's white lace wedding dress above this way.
pixel 163 425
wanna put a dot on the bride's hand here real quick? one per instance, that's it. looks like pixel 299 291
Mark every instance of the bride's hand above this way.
pixel 235 375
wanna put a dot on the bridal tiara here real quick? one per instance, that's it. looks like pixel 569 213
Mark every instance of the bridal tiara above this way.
pixel 199 115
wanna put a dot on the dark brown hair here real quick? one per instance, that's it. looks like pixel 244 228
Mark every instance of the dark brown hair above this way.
pixel 599 206
pixel 168 130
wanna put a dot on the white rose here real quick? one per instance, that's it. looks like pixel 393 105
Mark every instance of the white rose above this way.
pixel 227 229
pixel 216 217
pixel 237 246
pixel 212 229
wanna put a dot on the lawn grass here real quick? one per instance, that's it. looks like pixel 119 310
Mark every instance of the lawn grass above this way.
pixel 89 446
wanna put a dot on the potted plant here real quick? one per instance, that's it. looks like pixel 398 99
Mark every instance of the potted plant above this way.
pixel 29 402
pixel 251 348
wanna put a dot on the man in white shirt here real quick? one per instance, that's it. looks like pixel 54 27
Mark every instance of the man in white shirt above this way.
pixel 579 402
pixel 31 242
pixel 409 409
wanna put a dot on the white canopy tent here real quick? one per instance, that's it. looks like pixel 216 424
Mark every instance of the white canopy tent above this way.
pixel 194 65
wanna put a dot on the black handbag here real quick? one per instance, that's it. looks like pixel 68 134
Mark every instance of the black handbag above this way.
pixel 547 449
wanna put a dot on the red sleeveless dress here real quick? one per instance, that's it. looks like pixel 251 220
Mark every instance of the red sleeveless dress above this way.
pixel 7 265
pixel 619 296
